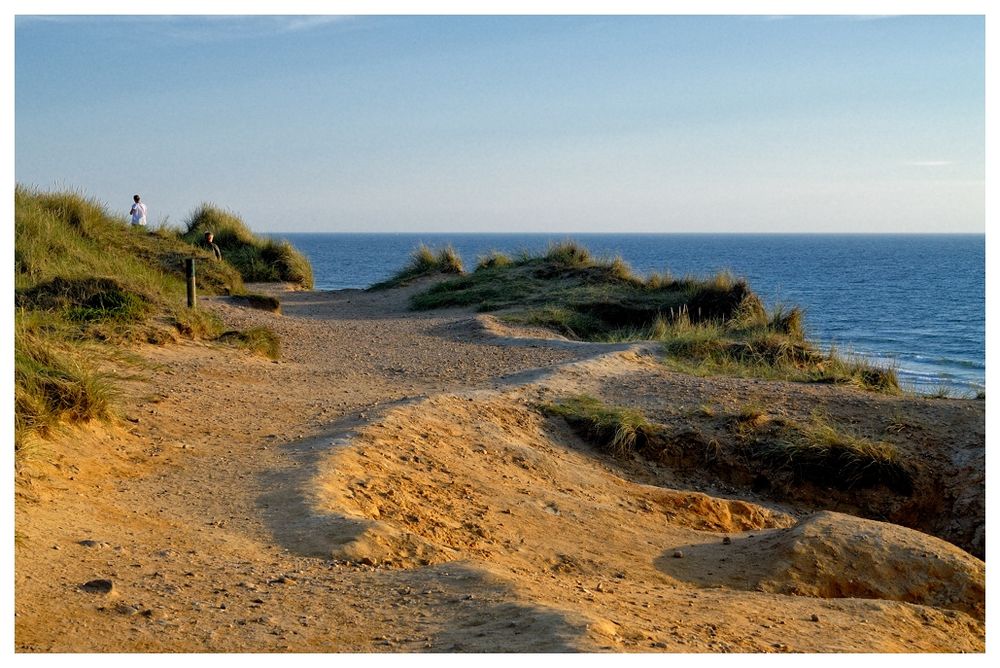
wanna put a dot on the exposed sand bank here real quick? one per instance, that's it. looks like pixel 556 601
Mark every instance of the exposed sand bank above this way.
pixel 389 485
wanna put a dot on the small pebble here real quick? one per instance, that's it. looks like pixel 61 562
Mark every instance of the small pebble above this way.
pixel 678 554
pixel 814 618
pixel 727 541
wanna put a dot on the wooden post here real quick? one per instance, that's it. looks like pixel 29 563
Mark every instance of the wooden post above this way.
pixel 189 272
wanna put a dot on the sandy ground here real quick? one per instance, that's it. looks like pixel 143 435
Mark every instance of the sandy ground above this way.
pixel 389 485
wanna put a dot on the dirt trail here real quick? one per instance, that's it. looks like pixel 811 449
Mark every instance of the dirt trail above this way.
pixel 389 486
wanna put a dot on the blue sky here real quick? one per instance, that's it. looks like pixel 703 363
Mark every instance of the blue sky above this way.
pixel 520 124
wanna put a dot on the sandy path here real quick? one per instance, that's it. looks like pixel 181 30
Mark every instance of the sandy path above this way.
pixel 386 486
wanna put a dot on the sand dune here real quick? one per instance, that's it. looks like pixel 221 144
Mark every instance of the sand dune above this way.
pixel 391 485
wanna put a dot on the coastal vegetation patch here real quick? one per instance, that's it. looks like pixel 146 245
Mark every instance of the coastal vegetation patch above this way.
pixel 748 446
pixel 614 429
pixel 258 340
pixel 54 386
pixel 86 286
pixel 258 259
pixel 819 451
pixel 754 344
pixel 713 325
pixel 424 262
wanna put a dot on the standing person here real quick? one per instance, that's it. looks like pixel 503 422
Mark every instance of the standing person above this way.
pixel 212 246
pixel 138 211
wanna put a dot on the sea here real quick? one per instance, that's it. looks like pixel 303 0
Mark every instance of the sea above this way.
pixel 914 302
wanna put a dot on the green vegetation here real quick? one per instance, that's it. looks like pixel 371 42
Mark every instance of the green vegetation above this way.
pixel 257 340
pixel 752 441
pixel 715 325
pixel 568 290
pixel 87 284
pixel 258 260
pixel 760 346
pixel 817 451
pixel 423 262
pixel 619 431
pixel 53 386
pixel 66 238
pixel 494 260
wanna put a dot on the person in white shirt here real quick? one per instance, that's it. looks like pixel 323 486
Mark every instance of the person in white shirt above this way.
pixel 138 211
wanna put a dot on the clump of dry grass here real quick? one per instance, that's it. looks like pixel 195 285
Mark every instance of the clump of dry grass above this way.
pixel 819 451
pixel 617 430
pixel 86 285
pixel 494 260
pixel 53 385
pixel 760 444
pixel 424 262
pixel 258 340
pixel 752 344
pixel 257 258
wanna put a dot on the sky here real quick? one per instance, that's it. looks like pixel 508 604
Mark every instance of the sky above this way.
pixel 555 124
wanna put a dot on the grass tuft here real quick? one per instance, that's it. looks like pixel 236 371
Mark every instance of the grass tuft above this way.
pixel 258 340
pixel 494 260
pixel 87 284
pixel 258 259
pixel 817 451
pixel 52 386
pixel 761 444
pixel 88 299
pixel 424 262
pixel 619 431
pixel 195 323
pixel 568 254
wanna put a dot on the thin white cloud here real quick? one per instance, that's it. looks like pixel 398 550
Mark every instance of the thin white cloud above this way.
pixel 929 163
pixel 298 23
pixel 214 28
pixel 199 28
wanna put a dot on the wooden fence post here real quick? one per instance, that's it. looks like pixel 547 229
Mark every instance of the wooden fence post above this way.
pixel 191 292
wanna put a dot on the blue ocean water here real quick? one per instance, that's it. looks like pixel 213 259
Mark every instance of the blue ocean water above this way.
pixel 913 301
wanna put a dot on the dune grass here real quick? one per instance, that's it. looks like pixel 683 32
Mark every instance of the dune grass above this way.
pixel 583 297
pixel 258 259
pixel 818 451
pixel 614 429
pixel 258 340
pixel 53 385
pixel 87 285
pixel 424 261
pixel 712 325
pixel 71 236
pixel 494 260
pixel 765 346
pixel 815 450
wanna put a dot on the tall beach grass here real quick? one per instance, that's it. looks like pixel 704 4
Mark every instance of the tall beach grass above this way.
pixel 258 259
pixel 87 286
pixel 709 325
